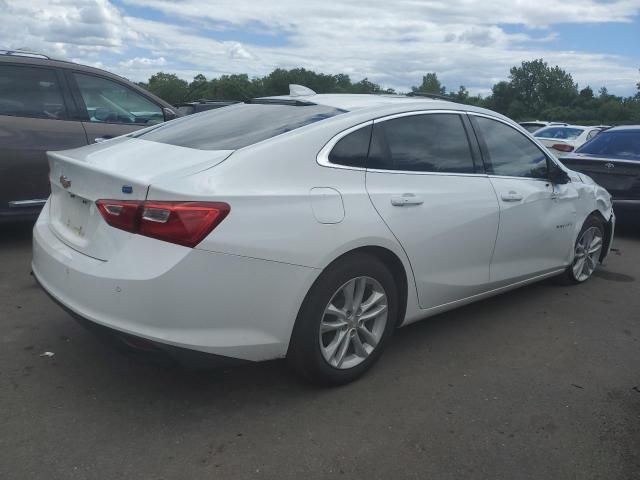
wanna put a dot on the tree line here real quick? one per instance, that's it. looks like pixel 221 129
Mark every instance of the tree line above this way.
pixel 534 90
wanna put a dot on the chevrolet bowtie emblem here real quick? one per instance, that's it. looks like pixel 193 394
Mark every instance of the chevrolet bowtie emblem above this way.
pixel 65 182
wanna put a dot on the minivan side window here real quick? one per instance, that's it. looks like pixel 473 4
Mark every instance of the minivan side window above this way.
pixel 509 152
pixel 112 102
pixel 30 92
pixel 352 149
pixel 421 143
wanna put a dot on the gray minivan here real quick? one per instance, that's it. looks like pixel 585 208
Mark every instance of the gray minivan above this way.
pixel 50 104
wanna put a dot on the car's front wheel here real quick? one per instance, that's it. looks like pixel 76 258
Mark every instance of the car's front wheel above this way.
pixel 345 321
pixel 588 249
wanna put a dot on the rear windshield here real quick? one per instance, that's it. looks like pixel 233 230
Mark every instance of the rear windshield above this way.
pixel 237 126
pixel 561 133
pixel 624 144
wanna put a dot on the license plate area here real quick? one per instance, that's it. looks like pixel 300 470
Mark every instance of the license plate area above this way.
pixel 71 214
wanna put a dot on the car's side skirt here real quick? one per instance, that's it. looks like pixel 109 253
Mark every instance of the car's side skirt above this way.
pixel 428 312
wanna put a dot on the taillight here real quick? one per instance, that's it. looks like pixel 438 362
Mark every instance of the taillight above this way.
pixel 184 223
pixel 563 147
pixel 122 214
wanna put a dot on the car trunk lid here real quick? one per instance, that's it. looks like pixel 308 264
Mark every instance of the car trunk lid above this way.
pixel 620 177
pixel 122 169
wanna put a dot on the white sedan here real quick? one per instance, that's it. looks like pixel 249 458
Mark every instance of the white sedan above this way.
pixel 564 139
pixel 309 226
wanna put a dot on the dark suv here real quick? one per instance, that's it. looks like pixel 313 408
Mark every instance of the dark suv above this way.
pixel 189 108
pixel 50 104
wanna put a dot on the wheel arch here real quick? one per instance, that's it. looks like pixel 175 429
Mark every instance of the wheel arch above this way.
pixel 608 231
pixel 402 273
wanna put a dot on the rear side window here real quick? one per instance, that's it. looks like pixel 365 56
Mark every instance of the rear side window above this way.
pixel 352 149
pixel 30 92
pixel 509 152
pixel 237 126
pixel 421 143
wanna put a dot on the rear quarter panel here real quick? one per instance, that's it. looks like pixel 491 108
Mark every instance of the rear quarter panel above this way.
pixel 268 187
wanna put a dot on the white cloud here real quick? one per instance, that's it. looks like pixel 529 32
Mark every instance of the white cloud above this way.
pixel 390 43
pixel 143 62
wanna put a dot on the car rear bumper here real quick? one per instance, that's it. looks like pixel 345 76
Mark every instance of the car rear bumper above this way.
pixel 221 304
pixel 148 350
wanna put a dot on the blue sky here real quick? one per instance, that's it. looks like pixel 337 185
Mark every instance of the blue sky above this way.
pixel 467 43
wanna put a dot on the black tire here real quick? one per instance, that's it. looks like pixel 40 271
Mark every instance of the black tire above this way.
pixel 305 356
pixel 569 277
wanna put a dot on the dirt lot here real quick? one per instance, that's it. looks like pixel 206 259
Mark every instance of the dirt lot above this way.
pixel 540 383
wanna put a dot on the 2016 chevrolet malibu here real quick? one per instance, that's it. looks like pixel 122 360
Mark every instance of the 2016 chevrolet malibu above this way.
pixel 309 226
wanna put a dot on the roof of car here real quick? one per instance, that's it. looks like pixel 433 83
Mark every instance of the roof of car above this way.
pixel 355 101
pixel 624 128
pixel 56 63
pixel 567 126
pixel 385 104
pixel 41 60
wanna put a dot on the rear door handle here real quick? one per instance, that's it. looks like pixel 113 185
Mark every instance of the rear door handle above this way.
pixel 511 196
pixel 406 199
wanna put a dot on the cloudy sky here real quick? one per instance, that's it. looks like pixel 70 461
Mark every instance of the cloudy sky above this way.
pixel 468 42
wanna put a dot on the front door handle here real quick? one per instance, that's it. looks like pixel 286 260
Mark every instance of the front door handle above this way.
pixel 511 196
pixel 406 199
pixel 102 139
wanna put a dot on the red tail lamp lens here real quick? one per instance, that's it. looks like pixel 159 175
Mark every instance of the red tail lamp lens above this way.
pixel 183 223
pixel 563 147
pixel 122 214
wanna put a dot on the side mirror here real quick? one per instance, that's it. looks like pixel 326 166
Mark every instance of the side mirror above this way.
pixel 169 114
pixel 557 175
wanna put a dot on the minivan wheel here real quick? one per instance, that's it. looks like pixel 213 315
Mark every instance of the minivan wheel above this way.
pixel 345 321
pixel 588 248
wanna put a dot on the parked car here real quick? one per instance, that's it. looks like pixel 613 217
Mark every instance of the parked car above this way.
pixel 612 159
pixel 534 125
pixel 563 139
pixel 309 227
pixel 50 104
pixel 189 108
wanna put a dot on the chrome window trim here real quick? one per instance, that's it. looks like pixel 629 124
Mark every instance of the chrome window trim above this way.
pixel 530 137
pixel 412 172
pixel 417 112
pixel 323 156
pixel 537 179
pixel 521 130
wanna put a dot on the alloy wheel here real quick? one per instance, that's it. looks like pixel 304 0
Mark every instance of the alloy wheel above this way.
pixel 353 322
pixel 588 249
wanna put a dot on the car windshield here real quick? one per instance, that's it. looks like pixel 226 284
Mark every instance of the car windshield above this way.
pixel 561 133
pixel 237 126
pixel 621 143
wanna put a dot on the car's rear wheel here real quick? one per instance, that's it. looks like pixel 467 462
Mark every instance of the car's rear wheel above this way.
pixel 588 249
pixel 345 321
